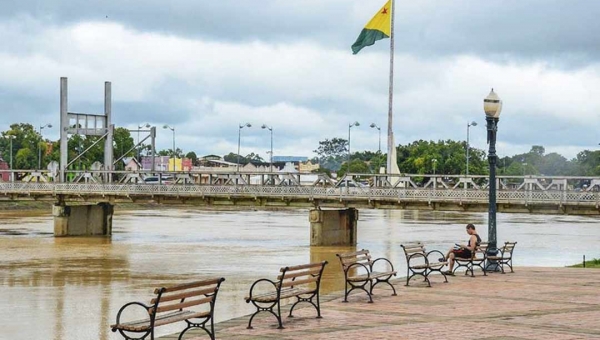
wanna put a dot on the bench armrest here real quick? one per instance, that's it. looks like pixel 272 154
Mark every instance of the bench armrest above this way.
pixel 249 297
pixel 440 254
pixel 147 308
pixel 382 259
pixel 414 256
pixel 356 264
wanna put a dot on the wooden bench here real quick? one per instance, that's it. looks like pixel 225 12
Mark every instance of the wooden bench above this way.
pixel 418 263
pixel 302 282
pixel 505 256
pixel 169 306
pixel 359 272
pixel 478 258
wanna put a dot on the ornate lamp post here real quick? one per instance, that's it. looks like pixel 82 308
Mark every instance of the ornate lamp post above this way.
pixel 39 146
pixel 239 142
pixel 264 126
pixel 350 127
pixel 492 105
pixel 468 126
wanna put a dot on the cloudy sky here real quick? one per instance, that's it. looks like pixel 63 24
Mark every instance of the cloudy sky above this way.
pixel 206 66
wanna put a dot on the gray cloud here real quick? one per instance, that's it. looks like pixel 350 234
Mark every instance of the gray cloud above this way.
pixel 559 32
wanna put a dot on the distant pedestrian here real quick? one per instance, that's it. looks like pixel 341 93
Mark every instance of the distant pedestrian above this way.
pixel 461 250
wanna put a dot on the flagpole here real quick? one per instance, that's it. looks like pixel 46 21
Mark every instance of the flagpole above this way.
pixel 391 94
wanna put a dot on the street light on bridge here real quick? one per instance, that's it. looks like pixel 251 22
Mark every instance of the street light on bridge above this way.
pixel 375 126
pixel 264 126
pixel 10 138
pixel 468 126
pixel 492 105
pixel 40 147
pixel 147 125
pixel 173 153
pixel 239 142
pixel 350 127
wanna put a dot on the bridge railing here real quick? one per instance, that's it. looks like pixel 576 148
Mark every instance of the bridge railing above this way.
pixel 353 182
pixel 430 195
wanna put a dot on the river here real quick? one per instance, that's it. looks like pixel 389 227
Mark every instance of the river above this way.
pixel 72 288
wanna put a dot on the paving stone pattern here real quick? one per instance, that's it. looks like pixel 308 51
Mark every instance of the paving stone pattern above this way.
pixel 532 303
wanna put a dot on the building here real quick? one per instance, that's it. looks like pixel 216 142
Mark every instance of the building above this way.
pixel 131 164
pixel 308 166
pixel 165 163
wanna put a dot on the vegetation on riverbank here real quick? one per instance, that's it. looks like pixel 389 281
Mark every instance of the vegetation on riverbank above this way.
pixel 594 263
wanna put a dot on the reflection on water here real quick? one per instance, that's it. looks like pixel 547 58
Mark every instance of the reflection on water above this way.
pixel 71 288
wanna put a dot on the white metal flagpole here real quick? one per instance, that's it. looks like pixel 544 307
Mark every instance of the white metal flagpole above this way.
pixel 391 96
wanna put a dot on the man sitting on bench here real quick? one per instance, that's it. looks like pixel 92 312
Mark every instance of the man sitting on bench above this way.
pixel 461 250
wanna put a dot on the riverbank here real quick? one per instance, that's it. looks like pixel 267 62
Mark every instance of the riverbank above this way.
pixel 532 303
pixel 594 263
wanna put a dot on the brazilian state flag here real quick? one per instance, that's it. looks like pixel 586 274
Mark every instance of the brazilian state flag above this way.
pixel 378 28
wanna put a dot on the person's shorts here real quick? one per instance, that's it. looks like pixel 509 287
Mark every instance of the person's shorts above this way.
pixel 462 253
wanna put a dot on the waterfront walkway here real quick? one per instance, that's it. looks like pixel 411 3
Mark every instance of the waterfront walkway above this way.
pixel 533 303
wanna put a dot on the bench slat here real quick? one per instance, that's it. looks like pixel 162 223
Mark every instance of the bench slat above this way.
pixel 285 293
pixel 291 275
pixel 179 296
pixel 184 304
pixel 291 283
pixel 164 319
pixel 374 275
pixel 354 254
pixel 304 266
pixel 184 286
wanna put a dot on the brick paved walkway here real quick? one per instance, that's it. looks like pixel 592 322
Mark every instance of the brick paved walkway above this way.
pixel 533 303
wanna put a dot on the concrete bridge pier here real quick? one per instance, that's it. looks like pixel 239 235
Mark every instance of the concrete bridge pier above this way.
pixel 333 227
pixel 83 220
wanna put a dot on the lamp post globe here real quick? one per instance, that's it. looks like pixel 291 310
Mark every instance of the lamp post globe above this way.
pixel 492 106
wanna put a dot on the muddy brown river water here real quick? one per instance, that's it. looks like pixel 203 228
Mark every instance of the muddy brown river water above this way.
pixel 72 288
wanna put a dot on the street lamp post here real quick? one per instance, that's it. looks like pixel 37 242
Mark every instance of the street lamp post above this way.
pixel 468 126
pixel 147 125
pixel 40 147
pixel 375 126
pixel 492 105
pixel 264 126
pixel 10 138
pixel 350 127
pixel 239 142
pixel 173 153
pixel 434 161
pixel 524 167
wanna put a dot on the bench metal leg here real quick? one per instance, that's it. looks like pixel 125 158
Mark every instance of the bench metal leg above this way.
pixel 267 309
pixel 201 325
pixel 377 281
pixel 361 287
pixel 309 300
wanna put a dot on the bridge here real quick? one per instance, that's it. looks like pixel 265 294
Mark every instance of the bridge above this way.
pixel 88 198
pixel 532 194
pixel 84 200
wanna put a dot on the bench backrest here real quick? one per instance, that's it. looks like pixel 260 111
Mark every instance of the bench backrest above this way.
pixel 508 249
pixel 193 294
pixel 306 275
pixel 480 251
pixel 413 248
pixel 361 257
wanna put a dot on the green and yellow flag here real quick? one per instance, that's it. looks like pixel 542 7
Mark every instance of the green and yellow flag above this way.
pixel 378 28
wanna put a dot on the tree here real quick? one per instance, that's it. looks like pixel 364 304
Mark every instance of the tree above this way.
pixel 254 158
pixel 192 156
pixel 357 166
pixel 332 148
